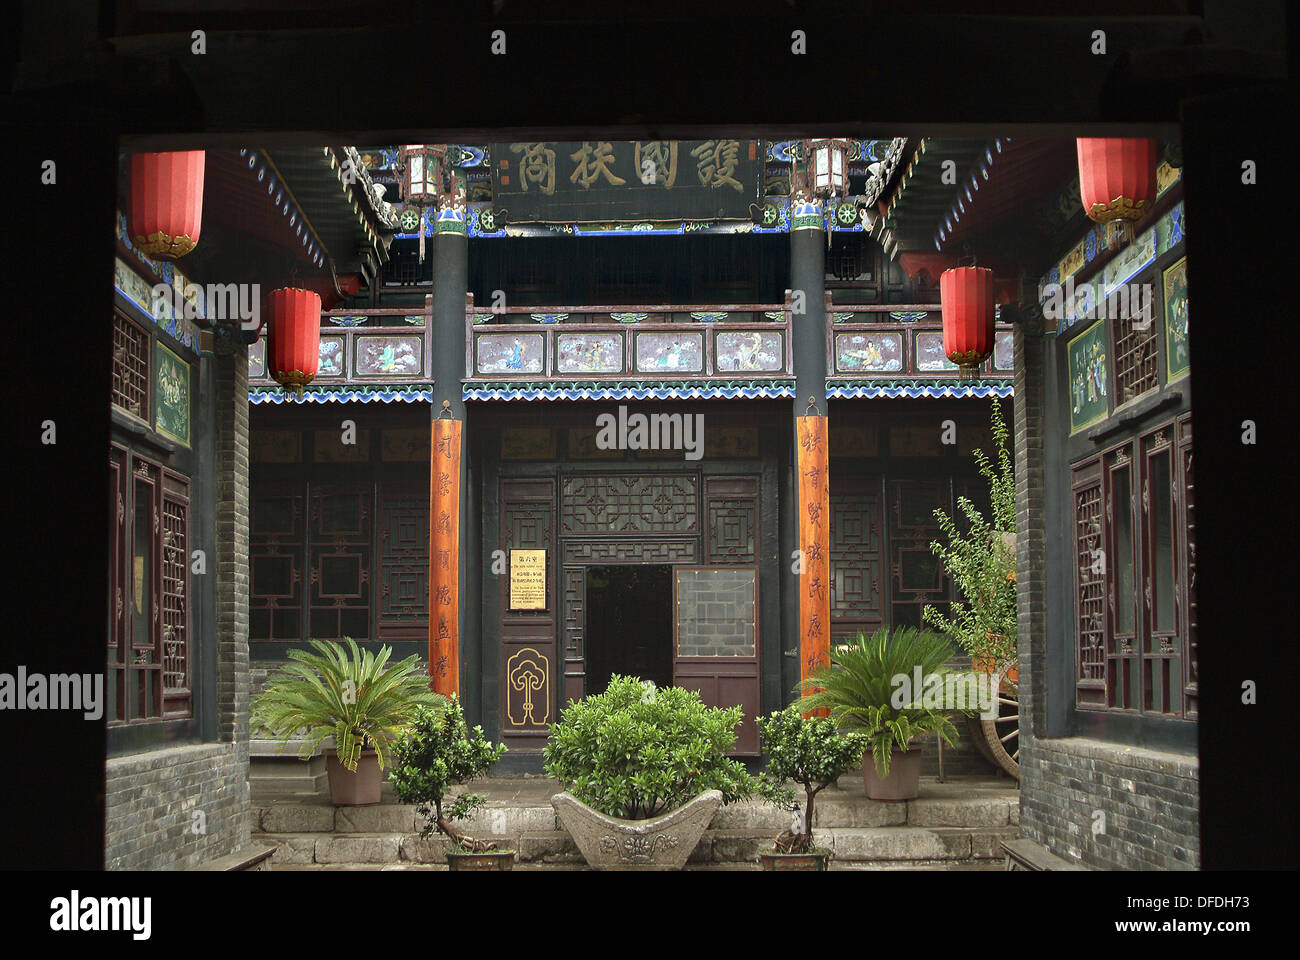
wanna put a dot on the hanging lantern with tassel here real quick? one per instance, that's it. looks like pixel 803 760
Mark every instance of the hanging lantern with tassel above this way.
pixel 966 294
pixel 293 350
pixel 166 202
pixel 1117 183
pixel 421 180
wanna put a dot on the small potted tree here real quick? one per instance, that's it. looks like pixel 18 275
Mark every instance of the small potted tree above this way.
pixel 871 688
pixel 352 695
pixel 436 751
pixel 644 770
pixel 813 753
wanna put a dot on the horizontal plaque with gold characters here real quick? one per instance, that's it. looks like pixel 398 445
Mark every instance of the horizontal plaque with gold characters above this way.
pixel 527 579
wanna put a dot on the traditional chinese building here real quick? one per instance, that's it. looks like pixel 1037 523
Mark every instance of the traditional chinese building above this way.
pixel 676 409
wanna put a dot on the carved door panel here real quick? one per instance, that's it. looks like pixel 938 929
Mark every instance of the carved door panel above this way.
pixel 857 557
pixel 528 657
pixel 715 641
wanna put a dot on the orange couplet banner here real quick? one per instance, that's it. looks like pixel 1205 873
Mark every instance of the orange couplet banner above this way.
pixel 444 549
pixel 814 544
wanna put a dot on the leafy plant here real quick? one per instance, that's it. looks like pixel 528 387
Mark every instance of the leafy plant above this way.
pixel 636 751
pixel 436 751
pixel 359 699
pixel 809 751
pixel 981 562
pixel 868 689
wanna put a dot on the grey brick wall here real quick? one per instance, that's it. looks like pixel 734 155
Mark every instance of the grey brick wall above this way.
pixel 151 797
pixel 1149 799
pixel 151 800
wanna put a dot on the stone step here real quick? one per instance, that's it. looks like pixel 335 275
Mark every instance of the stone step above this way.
pixel 920 865
pixel 503 818
pixel 918 845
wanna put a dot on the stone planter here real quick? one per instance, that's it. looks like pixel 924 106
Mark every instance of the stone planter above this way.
pixel 490 860
pixel 661 843
pixel 904 780
pixel 360 789
pixel 794 861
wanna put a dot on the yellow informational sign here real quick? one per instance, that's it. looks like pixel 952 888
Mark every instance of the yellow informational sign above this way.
pixel 527 579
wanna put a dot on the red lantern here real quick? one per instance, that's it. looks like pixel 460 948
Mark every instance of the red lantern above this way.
pixel 166 202
pixel 293 350
pixel 967 297
pixel 1117 182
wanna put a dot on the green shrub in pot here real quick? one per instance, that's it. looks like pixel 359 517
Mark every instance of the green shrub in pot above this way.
pixel 436 751
pixel 637 751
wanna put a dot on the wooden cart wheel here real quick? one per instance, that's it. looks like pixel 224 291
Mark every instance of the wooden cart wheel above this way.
pixel 975 726
pixel 1002 733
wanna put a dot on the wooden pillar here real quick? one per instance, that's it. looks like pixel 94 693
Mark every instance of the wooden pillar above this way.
pixel 447 465
pixel 808 289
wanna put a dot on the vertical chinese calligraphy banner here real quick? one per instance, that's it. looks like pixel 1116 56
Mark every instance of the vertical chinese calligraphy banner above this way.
pixel 602 180
pixel 814 542
pixel 444 548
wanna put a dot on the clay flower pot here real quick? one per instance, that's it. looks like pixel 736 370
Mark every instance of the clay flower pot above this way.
pixel 488 860
pixel 348 789
pixel 794 861
pixel 660 843
pixel 904 780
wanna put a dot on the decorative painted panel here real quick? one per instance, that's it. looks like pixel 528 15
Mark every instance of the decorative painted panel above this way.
pixel 630 504
pixel 731 442
pixel 669 353
pixel 274 446
pixel 582 446
pixel 171 395
pixel 854 441
pixel 405 444
pixel 257 360
pixel 330 448
pixel 330 363
pixel 861 352
pixel 1177 357
pixel 584 353
pixel 388 356
pixel 1004 343
pixel 750 350
pixel 1089 390
pixel 528 689
pixel 508 355
pixel 930 357
pixel 527 443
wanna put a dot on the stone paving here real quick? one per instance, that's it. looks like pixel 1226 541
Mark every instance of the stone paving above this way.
pixel 955 825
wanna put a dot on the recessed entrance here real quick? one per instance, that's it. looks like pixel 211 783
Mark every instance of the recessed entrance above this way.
pixel 629 624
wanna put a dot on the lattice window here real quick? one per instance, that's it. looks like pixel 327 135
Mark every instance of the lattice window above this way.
pixel 1135 360
pixel 856 562
pixel 917 577
pixel 575 595
pixel 1190 673
pixel 339 562
pixel 130 389
pixel 630 504
pixel 1090 587
pixel 404 556
pixel 732 511
pixel 118 496
pixel 174 564
pixel 277 552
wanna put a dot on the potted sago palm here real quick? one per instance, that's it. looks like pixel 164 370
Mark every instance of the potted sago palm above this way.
pixel 888 687
pixel 356 697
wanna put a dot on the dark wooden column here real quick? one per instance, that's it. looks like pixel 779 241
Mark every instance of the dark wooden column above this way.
pixel 452 667
pixel 812 481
